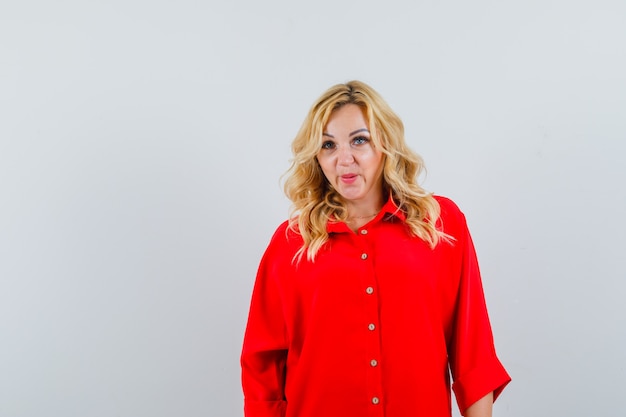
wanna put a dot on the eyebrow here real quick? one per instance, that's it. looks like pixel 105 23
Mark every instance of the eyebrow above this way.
pixel 351 133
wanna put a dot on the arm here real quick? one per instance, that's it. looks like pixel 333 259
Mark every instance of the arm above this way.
pixel 481 408
pixel 475 367
pixel 264 353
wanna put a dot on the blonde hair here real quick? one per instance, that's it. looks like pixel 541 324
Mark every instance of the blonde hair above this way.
pixel 315 202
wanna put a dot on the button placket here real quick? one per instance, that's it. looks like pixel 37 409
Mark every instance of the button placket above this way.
pixel 363 242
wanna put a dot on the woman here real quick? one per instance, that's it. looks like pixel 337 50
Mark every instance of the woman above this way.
pixel 370 296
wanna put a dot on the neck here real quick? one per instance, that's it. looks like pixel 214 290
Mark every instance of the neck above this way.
pixel 367 216
pixel 366 212
pixel 359 218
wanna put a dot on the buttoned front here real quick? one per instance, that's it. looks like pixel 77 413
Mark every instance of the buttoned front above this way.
pixel 371 327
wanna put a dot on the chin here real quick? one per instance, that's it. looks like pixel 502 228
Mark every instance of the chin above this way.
pixel 351 197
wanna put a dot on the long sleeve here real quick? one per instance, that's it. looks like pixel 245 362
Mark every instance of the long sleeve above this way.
pixel 476 369
pixel 264 354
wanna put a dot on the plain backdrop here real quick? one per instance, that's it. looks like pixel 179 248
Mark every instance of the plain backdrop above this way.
pixel 141 149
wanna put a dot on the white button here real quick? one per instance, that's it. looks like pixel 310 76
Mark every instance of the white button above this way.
pixel 375 400
pixel 369 290
pixel 371 326
pixel 364 256
pixel 374 362
pixel 363 231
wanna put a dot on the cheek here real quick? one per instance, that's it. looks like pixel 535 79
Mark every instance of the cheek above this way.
pixel 375 160
pixel 325 165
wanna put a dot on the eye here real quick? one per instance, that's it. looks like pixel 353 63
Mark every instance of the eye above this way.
pixel 360 140
pixel 329 144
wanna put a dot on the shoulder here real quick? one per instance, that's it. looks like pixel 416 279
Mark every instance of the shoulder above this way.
pixel 451 218
pixel 281 229
pixel 285 237
pixel 448 207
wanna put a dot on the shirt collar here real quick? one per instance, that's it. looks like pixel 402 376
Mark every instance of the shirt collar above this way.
pixel 387 212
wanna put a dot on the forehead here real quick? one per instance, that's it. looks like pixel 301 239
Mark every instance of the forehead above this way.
pixel 346 117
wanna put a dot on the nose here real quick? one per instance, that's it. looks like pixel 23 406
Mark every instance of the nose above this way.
pixel 345 156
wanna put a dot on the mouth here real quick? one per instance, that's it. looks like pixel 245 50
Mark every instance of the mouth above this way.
pixel 348 178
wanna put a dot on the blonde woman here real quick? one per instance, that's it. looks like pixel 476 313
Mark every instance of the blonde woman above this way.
pixel 368 300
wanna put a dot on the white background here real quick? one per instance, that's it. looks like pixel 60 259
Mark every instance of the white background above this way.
pixel 141 145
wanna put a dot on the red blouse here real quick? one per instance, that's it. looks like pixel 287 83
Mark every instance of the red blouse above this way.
pixel 373 327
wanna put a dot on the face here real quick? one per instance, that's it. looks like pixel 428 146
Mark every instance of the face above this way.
pixel 348 159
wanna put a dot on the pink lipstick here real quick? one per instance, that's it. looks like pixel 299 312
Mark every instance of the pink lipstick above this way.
pixel 349 178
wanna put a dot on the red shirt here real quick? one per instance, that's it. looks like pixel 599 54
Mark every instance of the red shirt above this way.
pixel 373 327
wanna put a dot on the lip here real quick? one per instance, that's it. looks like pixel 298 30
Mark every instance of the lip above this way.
pixel 348 178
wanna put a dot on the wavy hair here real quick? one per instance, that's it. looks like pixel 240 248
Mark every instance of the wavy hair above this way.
pixel 315 202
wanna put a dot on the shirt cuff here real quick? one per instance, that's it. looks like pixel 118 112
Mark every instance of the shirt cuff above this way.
pixel 265 408
pixel 480 381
